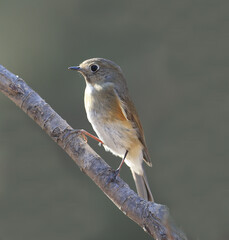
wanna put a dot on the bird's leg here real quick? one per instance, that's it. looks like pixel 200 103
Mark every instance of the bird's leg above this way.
pixel 90 135
pixel 120 165
pixel 83 132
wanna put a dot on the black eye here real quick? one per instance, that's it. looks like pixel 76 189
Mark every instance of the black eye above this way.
pixel 94 68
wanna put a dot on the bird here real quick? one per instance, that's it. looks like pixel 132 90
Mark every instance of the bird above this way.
pixel 114 118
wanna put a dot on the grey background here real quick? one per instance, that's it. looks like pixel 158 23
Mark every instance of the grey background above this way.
pixel 175 57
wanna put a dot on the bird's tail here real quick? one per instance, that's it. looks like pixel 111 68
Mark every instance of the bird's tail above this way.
pixel 142 186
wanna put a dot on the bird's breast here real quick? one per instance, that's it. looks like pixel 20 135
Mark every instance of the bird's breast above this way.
pixel 101 103
pixel 93 101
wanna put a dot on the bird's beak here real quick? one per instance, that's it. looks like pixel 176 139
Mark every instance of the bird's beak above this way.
pixel 77 68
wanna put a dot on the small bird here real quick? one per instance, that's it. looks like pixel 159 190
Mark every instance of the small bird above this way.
pixel 114 118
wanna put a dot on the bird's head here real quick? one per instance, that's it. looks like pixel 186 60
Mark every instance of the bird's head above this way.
pixel 100 71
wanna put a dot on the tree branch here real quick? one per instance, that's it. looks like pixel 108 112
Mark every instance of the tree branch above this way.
pixel 152 217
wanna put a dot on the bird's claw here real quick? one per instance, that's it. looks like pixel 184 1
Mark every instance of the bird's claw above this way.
pixel 113 176
pixel 70 132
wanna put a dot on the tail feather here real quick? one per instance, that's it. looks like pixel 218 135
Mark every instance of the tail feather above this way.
pixel 142 186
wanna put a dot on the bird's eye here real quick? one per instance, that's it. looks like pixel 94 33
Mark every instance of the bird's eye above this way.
pixel 94 68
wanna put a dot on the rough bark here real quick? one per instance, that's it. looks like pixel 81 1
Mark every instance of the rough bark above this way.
pixel 152 217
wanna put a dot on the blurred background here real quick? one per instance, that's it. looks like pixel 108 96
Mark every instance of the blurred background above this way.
pixel 175 57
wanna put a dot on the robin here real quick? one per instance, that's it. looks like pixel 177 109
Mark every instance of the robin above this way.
pixel 114 118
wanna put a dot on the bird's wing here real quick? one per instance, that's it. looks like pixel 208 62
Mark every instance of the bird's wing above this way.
pixel 130 113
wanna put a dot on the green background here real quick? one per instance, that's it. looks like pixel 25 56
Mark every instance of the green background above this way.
pixel 175 57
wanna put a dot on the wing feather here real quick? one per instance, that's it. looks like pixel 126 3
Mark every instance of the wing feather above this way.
pixel 130 113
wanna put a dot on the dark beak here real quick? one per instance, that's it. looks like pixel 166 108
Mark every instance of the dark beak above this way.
pixel 77 68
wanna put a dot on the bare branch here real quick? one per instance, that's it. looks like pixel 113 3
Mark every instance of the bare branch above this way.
pixel 152 217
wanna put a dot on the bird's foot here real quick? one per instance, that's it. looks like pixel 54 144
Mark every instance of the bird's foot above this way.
pixel 116 172
pixel 71 132
pixel 113 176
pixel 83 133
